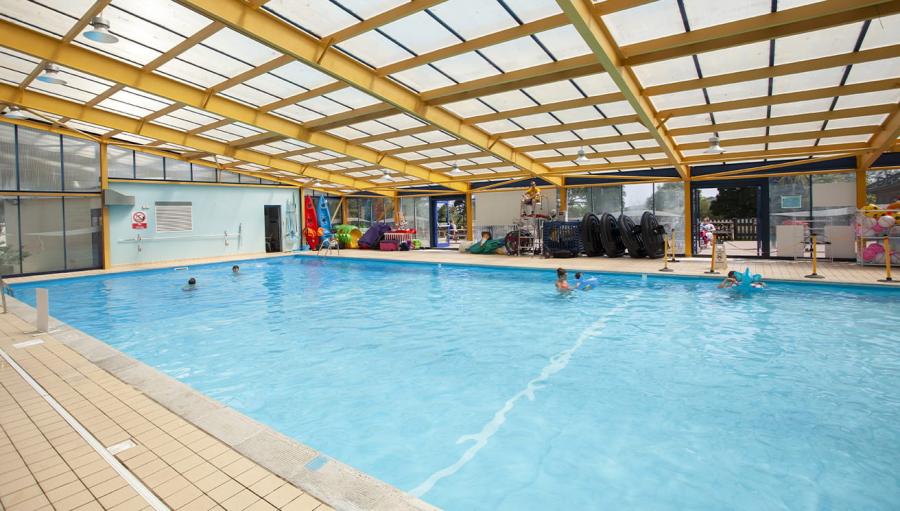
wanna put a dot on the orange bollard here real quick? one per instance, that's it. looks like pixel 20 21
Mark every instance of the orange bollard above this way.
pixel 665 267
pixel 887 261
pixel 712 263
pixel 814 250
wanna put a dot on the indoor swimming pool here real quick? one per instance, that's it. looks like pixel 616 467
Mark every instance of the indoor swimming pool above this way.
pixel 483 388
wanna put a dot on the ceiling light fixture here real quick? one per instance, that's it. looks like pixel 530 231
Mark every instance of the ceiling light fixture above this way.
pixel 714 147
pixel 455 170
pixel 51 75
pixel 14 112
pixel 99 31
pixel 582 157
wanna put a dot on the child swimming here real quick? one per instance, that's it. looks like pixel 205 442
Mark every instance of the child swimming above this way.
pixel 584 284
pixel 562 282
pixel 191 285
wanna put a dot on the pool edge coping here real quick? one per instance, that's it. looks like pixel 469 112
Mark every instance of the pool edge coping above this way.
pixel 333 482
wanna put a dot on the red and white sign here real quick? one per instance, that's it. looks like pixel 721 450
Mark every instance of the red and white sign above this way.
pixel 139 220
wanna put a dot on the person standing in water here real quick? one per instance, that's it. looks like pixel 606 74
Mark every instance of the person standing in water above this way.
pixel 562 281
pixel 191 285
pixel 235 269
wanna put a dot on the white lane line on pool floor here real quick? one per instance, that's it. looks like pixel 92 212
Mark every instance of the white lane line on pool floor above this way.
pixel 116 465
pixel 557 363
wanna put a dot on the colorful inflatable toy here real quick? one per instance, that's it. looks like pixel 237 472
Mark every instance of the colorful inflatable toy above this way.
pixel 872 211
pixel 745 281
pixel 311 229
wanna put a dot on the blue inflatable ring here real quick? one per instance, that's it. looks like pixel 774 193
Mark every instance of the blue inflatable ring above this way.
pixel 745 280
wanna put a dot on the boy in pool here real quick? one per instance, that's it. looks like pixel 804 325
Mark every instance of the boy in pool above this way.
pixel 235 269
pixel 584 285
pixel 730 280
pixel 191 285
pixel 562 282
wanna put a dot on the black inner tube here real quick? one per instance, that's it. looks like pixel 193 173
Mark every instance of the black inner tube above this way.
pixel 610 237
pixel 631 236
pixel 653 234
pixel 590 235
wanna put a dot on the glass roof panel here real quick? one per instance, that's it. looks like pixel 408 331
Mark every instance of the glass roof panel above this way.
pixel 744 133
pixel 786 145
pixel 372 127
pixel 175 123
pixel 813 45
pixel 869 98
pixel 845 140
pixel 467 108
pixel 301 74
pixel 128 137
pixel 240 47
pixel 883 31
pixel 617 108
pixel 536 121
pixel 380 145
pixel 632 127
pixel 800 107
pixel 690 120
pixel 195 115
pixel 86 126
pixel 678 99
pixel 516 54
pixel 797 128
pixel 871 71
pixel 296 113
pixel 520 141
pixel 708 14
pixel 556 91
pixel 189 73
pixel 15 60
pixel 401 121
pixel 422 78
pixel 62 91
pixel 161 12
pixel 808 81
pixel 217 134
pixel 466 67
pixel 596 84
pixel 741 90
pixel 351 97
pixel 667 71
pixel 212 60
pixel 374 49
pixel 35 16
pixel 869 120
pixel 346 132
pixel 508 100
pixel 323 105
pixel 274 85
pixel 738 58
pixel 248 95
pixel 11 77
pixel 420 33
pixel 649 21
pixel 601 131
pixel 473 18
pixel 741 114
pixel 564 42
pixel 585 113
pixel 321 17
pixel 241 130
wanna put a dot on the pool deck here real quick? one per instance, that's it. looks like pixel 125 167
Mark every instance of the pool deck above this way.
pixel 189 451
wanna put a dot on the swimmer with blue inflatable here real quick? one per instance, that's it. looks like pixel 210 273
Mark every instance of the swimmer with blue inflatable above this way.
pixel 585 284
pixel 742 281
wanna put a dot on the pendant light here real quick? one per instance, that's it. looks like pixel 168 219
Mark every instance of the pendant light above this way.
pixel 582 157
pixel 99 31
pixel 456 171
pixel 14 112
pixel 714 147
pixel 51 75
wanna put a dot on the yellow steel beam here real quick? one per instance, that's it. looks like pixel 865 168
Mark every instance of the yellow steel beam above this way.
pixel 45 103
pixel 798 20
pixel 276 34
pixel 303 96
pixel 597 37
pixel 881 141
pixel 39 45
pixel 784 137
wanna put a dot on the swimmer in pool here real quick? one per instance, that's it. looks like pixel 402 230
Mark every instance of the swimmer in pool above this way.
pixel 235 269
pixel 191 285
pixel 562 281
pixel 730 280
pixel 583 284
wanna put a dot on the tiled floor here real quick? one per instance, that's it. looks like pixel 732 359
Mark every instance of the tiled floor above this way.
pixel 46 464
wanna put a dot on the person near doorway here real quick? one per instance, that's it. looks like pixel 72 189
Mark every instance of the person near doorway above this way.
pixel 707 228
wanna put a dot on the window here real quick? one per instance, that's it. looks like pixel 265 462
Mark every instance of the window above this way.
pixel 120 162
pixel 81 165
pixel 148 166
pixel 40 162
pixel 174 217
pixel 177 170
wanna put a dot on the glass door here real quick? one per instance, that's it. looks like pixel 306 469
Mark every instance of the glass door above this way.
pixel 442 227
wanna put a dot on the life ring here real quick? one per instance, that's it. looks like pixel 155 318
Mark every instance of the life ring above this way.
pixel 610 236
pixel 653 236
pixel 631 236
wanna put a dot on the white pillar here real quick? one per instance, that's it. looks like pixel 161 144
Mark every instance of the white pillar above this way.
pixel 43 309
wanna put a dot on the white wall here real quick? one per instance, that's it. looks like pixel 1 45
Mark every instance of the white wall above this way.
pixel 502 208
pixel 216 209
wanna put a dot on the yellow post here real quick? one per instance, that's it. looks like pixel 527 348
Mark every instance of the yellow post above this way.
pixel 470 217
pixel 887 261
pixel 396 210
pixel 104 210
pixel 665 267
pixel 563 199
pixel 814 249
pixel 302 216
pixel 712 261
pixel 860 188
pixel 688 218
pixel 345 211
pixel 672 247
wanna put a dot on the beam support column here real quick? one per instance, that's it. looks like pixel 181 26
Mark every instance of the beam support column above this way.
pixel 860 188
pixel 688 217
pixel 104 209
pixel 563 200
pixel 470 218
pixel 396 210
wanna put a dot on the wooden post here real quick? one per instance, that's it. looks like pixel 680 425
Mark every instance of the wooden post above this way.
pixel 470 218
pixel 345 211
pixel 860 188
pixel 563 200
pixel 396 210
pixel 104 209
pixel 688 219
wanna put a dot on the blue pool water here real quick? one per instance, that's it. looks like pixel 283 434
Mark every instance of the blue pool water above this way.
pixel 482 388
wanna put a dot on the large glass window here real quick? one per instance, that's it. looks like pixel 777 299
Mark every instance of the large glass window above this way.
pixel 668 206
pixel 84 244
pixel 882 186
pixel 148 166
pixel 578 202
pixel 120 162
pixel 81 165
pixel 606 199
pixel 43 243
pixel 8 157
pixel 40 162
pixel 636 199
pixel 10 257
pixel 789 213
pixel 177 170
pixel 204 174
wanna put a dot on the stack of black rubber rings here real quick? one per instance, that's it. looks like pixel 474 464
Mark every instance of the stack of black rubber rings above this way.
pixel 605 235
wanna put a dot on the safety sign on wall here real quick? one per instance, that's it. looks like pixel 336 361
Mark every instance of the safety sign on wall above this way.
pixel 139 220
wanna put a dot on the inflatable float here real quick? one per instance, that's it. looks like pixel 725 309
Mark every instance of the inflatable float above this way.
pixel 348 235
pixel 324 217
pixel 311 227
pixel 745 281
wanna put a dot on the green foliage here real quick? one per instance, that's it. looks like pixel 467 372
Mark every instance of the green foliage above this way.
pixel 734 203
